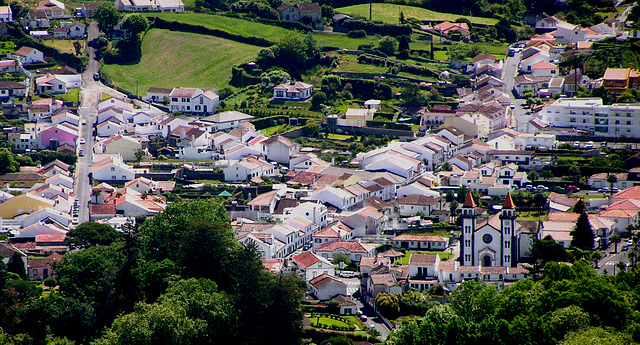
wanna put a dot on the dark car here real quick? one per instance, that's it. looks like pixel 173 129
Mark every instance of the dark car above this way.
pixel 96 76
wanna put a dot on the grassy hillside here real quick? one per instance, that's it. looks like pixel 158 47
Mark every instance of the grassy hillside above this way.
pixel 390 13
pixel 172 58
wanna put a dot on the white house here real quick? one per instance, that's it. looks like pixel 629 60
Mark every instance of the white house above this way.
pixel 353 249
pixel 6 15
pixel 58 84
pixel 325 286
pixel 279 149
pixel 193 100
pixel 28 55
pixel 266 243
pixel 109 127
pixel 526 64
pixel 525 140
pixel 544 69
pixel 419 242
pixel 337 197
pixel 312 265
pixel 225 120
pixel 292 91
pixel 124 146
pixel 248 168
pixel 416 203
pixel 112 169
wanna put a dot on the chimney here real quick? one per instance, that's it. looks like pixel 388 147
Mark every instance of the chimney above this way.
pixel 182 133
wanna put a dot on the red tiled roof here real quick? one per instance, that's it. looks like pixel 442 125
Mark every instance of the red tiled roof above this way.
pixel 419 238
pixel 51 238
pixel 103 209
pixel 629 193
pixel 323 280
pixel 305 259
pixel 423 259
pixel 350 246
pixel 508 203
pixel 468 201
pixel 417 199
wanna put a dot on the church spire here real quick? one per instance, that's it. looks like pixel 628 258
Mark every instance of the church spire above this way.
pixel 508 203
pixel 468 201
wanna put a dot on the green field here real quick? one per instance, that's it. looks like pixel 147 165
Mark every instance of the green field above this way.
pixel 231 25
pixel 172 58
pixel 390 13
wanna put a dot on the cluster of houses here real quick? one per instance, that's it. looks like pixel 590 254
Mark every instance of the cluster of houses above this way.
pixel 35 208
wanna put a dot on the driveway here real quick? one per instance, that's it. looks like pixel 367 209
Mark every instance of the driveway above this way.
pixel 373 319
pixel 519 114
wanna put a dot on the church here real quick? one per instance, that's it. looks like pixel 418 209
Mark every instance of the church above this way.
pixel 497 241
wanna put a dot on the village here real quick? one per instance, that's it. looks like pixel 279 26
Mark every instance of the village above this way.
pixel 360 193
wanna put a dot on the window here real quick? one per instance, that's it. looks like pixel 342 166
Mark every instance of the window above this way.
pixel 113 168
pixel 507 244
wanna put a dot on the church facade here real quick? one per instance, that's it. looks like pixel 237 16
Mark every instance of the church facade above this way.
pixel 498 241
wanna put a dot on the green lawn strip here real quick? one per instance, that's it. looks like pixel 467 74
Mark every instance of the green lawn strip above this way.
pixel 328 322
pixel 228 24
pixel 171 58
pixel 443 256
pixel 390 13
pixel 72 96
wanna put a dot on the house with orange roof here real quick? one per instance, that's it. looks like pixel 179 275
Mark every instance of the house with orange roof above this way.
pixel 364 221
pixel 527 64
pixel 247 168
pixel 28 55
pixel 112 169
pixel 279 149
pixel 332 232
pixel 382 283
pixel 618 80
pixel 622 219
pixel 597 181
pixel 292 91
pixel 124 145
pixel 544 69
pixel 353 249
pixel 267 245
pixel 448 28
pixel 325 287
pixel 569 33
pixel 310 265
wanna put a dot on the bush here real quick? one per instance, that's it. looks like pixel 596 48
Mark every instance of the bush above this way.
pixel 357 34
pixel 378 27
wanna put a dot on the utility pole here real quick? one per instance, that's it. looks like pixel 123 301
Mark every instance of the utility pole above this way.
pixel 370 7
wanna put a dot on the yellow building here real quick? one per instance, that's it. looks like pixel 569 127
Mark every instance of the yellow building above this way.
pixel 358 117
pixel 24 203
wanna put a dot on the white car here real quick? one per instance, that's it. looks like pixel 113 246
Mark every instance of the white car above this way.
pixel 82 141
pixel 84 121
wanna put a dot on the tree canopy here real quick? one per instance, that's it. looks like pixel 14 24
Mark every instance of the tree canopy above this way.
pixel 91 234
pixel 583 233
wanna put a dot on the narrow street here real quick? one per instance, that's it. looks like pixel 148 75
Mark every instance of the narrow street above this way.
pixel 510 70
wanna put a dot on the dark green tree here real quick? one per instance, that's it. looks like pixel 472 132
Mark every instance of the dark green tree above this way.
pixel 403 43
pixel 16 265
pixel 615 239
pixel 91 234
pixel 583 233
pixel 580 207
pixel 107 17
pixel 8 163
pixel 135 23
pixel 388 45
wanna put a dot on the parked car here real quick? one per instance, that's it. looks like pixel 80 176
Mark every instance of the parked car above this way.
pixel 615 190
pixel 604 190
pixel 82 141
pixel 363 317
pixel 529 188
pixel 573 188
pixel 541 188
pixel 624 248
pixel 81 153
pixel 588 145
pixel 96 76
pixel 559 189
pixel 575 144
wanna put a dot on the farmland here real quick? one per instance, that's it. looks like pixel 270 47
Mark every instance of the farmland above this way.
pixel 181 59
pixel 390 13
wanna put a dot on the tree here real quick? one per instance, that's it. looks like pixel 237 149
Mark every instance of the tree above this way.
pixel 583 233
pixel 8 163
pixel 274 77
pixel 616 239
pixel 291 52
pixel 412 96
pixel 312 129
pixel 403 43
pixel 401 19
pixel 546 174
pixel 533 176
pixel 318 99
pixel 91 234
pixel 611 179
pixel 139 154
pixel 16 265
pixel 543 251
pixel 50 282
pixel 626 97
pixel 388 45
pixel 445 167
pixel 540 200
pixel 341 257
pixel 580 207
pixel 135 23
pixel 107 17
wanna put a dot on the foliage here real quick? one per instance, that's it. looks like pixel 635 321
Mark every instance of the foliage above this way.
pixel 135 23
pixel 17 265
pixel 341 257
pixel 107 17
pixel 388 45
pixel 582 233
pixel 8 164
pixel 255 8
pixel 91 234
pixel 318 99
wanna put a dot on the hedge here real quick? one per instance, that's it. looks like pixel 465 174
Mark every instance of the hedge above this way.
pixel 388 125
pixel 270 121
pixel 202 30
pixel 66 59
pixel 281 23
pixel 378 28
pixel 401 66
pixel 240 78
pixel 318 335
pixel 368 89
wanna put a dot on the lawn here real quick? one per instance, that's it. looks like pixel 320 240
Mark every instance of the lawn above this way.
pixel 72 96
pixel 64 46
pixel 342 137
pixel 328 322
pixel 443 256
pixel 7 47
pixel 534 215
pixel 390 13
pixel 275 130
pixel 171 58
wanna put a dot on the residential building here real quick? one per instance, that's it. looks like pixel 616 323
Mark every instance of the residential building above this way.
pixel 353 249
pixel 23 203
pixel 247 168
pixel 28 55
pixel 53 9
pixel 279 149
pixel 297 12
pixel 6 15
pixel 312 265
pixel 618 80
pixel 325 287
pixel 292 91
pixel 193 100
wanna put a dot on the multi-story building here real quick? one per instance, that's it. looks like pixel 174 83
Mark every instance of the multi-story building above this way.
pixel 589 114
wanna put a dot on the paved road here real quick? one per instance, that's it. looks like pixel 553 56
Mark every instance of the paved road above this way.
pixel 373 319
pixel 510 70
pixel 609 264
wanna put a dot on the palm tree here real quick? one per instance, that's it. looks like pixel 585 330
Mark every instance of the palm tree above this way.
pixel 96 193
pixel 611 179
pixel 616 239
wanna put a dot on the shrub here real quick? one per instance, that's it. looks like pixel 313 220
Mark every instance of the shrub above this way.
pixel 357 34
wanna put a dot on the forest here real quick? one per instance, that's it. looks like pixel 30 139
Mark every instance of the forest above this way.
pixel 178 278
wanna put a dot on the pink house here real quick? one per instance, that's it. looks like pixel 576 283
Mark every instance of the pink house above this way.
pixel 60 133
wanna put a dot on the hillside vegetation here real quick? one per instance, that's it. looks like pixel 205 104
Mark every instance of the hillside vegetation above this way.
pixel 390 13
pixel 172 58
